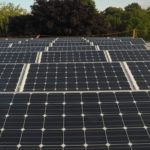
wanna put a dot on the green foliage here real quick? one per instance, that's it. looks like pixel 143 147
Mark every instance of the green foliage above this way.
pixel 90 3
pixel 114 17
pixel 132 17
pixel 66 18
pixel 74 18
pixel 7 11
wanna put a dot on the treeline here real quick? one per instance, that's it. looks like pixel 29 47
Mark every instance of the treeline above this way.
pixel 75 18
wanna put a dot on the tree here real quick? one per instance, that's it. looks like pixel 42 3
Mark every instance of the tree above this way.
pixel 67 17
pixel 6 11
pixel 137 18
pixel 132 17
pixel 114 17
pixel 90 3
pixel 23 25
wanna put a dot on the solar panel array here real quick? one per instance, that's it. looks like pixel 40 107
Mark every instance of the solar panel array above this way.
pixel 74 94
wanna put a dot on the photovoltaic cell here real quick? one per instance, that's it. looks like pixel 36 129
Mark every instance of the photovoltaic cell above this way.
pixel 76 77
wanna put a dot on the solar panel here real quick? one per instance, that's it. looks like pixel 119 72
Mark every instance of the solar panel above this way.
pixel 76 76
pixel 17 57
pixel 111 42
pixel 117 40
pixel 130 55
pixel 31 44
pixel 22 49
pixel 136 41
pixel 112 120
pixel 4 45
pixel 70 39
pixel 62 94
pixel 122 47
pixel 9 76
pixel 63 44
pixel 141 73
pixel 79 56
pixel 72 48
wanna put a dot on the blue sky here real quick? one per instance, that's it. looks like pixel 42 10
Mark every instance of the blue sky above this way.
pixel 101 4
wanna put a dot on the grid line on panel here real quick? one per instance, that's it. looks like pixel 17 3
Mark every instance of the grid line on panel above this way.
pixel 104 126
pixel 86 80
pixel 125 128
pixel 6 116
pixel 43 129
pixel 96 77
pixel 23 126
pixel 139 113
pixel 83 119
pixel 76 79
pixel 63 127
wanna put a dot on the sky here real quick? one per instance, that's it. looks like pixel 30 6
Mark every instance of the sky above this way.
pixel 100 4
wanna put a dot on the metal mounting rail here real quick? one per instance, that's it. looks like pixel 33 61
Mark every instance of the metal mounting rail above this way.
pixel 129 76
pixel 108 57
pixel 23 77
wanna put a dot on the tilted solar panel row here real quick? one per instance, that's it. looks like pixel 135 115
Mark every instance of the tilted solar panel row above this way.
pixel 118 39
pixel 22 49
pixel 122 47
pixel 72 48
pixel 76 77
pixel 71 44
pixel 87 121
pixel 31 44
pixel 138 41
pixel 18 57
pixel 80 119
pixel 130 55
pixel 114 43
pixel 47 57
pixel 70 39
pixel 4 45
pixel 78 56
